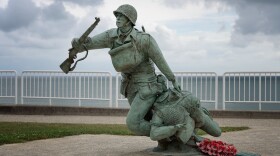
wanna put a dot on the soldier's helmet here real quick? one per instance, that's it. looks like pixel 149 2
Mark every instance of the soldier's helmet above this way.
pixel 127 10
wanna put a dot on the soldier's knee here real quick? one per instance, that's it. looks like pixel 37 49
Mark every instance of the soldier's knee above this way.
pixel 132 124
pixel 139 127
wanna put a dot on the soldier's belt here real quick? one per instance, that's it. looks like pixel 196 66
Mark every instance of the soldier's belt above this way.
pixel 142 77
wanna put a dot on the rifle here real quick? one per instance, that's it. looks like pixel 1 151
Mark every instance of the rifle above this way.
pixel 66 65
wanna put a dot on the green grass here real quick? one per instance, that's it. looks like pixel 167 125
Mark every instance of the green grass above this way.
pixel 17 132
pixel 225 129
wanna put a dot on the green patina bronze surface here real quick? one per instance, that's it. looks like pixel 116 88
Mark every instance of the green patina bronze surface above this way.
pixel 134 54
pixel 165 115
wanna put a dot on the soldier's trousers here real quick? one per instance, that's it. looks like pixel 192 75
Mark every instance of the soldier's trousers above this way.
pixel 141 102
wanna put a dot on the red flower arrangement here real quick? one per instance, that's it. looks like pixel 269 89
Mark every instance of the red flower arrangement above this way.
pixel 219 148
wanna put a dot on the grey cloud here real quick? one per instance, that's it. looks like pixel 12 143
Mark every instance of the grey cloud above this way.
pixel 55 12
pixel 18 14
pixel 258 16
pixel 182 3
pixel 23 13
pixel 175 4
pixel 53 21
pixel 255 16
pixel 37 31
pixel 86 2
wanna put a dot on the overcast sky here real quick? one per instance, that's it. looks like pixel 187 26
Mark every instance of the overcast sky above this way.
pixel 194 36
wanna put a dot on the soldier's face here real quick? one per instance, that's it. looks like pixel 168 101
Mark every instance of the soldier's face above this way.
pixel 121 20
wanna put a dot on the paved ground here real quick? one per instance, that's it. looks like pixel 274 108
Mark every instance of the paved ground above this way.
pixel 262 138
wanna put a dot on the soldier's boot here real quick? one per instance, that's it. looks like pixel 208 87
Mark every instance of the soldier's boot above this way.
pixel 211 127
pixel 162 145
pixel 197 138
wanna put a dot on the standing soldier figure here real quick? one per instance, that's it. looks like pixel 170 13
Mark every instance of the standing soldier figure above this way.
pixel 134 54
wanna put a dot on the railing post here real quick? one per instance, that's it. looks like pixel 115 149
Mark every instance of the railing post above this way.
pixel 182 79
pixel 80 90
pixel 117 92
pixel 260 92
pixel 216 92
pixel 16 88
pixel 224 91
pixel 21 86
pixel 50 96
pixel 110 91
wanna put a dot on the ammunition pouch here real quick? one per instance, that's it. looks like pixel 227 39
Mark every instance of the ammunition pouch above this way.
pixel 126 57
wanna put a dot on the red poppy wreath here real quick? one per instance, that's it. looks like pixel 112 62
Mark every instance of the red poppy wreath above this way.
pixel 219 148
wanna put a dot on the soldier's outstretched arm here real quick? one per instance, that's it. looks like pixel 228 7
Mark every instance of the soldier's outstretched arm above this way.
pixel 99 41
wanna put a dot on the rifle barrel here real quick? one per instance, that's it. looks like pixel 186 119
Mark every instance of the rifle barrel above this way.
pixel 88 31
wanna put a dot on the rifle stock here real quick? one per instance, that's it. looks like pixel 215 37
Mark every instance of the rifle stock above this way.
pixel 65 66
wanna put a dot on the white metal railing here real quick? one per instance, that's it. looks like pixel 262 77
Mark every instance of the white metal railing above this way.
pixel 8 84
pixel 203 85
pixel 81 87
pixel 251 87
pixel 75 85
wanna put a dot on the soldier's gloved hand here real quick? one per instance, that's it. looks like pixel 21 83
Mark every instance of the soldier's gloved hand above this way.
pixel 180 127
pixel 176 85
pixel 79 46
pixel 75 42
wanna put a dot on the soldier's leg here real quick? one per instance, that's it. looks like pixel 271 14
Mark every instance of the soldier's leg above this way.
pixel 206 123
pixel 211 127
pixel 202 120
pixel 135 118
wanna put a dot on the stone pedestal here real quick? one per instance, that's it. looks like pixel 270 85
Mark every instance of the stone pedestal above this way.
pixel 177 148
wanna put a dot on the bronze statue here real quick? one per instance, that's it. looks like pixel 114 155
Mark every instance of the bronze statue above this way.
pixel 155 110
pixel 134 54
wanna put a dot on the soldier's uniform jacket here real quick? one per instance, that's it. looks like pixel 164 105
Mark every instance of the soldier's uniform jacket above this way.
pixel 138 49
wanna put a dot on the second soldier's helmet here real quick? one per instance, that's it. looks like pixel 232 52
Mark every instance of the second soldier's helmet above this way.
pixel 129 11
